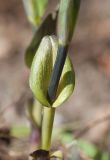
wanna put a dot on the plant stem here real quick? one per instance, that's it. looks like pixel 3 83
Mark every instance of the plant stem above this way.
pixel 37 113
pixel 34 111
pixel 47 126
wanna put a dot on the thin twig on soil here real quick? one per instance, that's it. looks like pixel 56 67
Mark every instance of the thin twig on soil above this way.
pixel 91 125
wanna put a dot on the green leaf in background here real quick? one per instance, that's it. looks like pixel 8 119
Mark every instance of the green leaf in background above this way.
pixel 43 30
pixel 105 156
pixel 35 10
pixel 89 148
pixel 41 70
pixel 20 131
pixel 66 137
pixel 102 155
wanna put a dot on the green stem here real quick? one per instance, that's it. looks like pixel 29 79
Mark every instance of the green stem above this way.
pixel 34 113
pixel 47 127
pixel 37 113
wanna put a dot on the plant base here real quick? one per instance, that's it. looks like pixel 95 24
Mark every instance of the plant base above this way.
pixel 40 155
